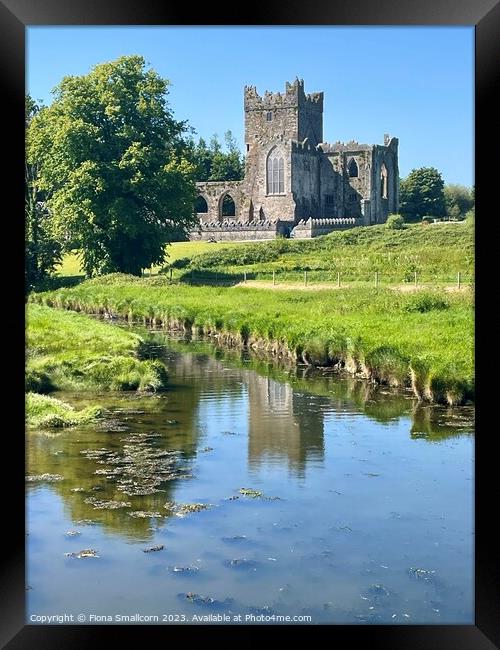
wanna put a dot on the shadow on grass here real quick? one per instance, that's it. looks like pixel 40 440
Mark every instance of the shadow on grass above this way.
pixel 59 282
pixel 214 278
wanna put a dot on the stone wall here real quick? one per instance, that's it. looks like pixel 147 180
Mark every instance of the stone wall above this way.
pixel 214 192
pixel 385 155
pixel 259 202
pixel 305 180
pixel 241 231
pixel 317 227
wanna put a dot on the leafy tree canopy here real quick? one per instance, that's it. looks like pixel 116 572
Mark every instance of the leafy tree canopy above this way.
pixel 213 163
pixel 112 162
pixel 459 200
pixel 422 193
pixel 42 251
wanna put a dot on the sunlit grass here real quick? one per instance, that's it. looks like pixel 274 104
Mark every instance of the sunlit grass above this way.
pixel 423 341
pixel 71 264
pixel 68 351
pixel 45 412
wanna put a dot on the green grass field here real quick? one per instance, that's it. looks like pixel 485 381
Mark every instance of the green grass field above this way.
pixel 436 253
pixel 71 265
pixel 423 340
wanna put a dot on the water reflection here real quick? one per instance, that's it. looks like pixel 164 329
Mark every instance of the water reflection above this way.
pixel 283 425
pixel 371 521
pixel 281 411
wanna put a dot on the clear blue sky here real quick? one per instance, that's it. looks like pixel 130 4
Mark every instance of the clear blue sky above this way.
pixel 416 83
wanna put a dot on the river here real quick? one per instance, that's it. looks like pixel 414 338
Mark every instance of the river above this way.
pixel 320 498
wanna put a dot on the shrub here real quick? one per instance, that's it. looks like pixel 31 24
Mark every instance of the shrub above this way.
pixel 395 222
pixel 180 263
pixel 425 302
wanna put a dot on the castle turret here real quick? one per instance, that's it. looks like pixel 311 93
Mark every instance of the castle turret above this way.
pixel 292 115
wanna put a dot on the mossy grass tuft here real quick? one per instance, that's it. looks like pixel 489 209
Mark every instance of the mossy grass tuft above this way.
pixel 69 351
pixel 44 412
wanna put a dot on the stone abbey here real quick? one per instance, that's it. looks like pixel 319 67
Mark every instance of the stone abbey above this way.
pixel 295 184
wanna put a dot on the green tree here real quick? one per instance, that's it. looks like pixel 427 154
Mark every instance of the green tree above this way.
pixel 213 163
pixel 229 165
pixel 459 200
pixel 422 193
pixel 113 164
pixel 202 158
pixel 42 251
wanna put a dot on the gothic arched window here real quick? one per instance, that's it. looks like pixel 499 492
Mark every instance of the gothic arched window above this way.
pixel 352 168
pixel 228 207
pixel 269 116
pixel 200 206
pixel 275 174
pixel 383 181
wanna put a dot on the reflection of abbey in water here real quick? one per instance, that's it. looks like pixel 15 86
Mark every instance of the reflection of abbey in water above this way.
pixel 282 425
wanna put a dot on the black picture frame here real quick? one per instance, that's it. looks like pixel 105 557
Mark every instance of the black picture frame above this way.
pixel 15 17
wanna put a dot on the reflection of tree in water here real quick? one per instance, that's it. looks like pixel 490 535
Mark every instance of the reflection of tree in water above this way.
pixel 286 410
pixel 154 424
pixel 435 423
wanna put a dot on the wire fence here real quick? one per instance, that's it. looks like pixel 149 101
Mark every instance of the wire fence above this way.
pixel 308 278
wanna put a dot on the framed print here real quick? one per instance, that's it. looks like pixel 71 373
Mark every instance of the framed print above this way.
pixel 251 278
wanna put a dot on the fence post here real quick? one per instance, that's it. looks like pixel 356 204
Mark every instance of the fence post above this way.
pixel 274 278
pixel 458 280
pixel 338 279
pixel 244 276
pixel 305 278
pixel 415 278
pixel 376 279
pixel 170 275
pixel 216 276
pixel 192 275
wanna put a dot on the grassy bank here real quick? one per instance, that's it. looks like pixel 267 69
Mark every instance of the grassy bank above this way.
pixel 44 412
pixel 423 340
pixel 435 252
pixel 72 352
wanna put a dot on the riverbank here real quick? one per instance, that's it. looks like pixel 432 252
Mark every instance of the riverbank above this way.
pixel 67 351
pixel 423 341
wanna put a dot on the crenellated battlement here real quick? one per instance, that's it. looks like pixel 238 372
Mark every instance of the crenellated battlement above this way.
pixel 344 147
pixel 303 147
pixel 240 225
pixel 314 227
pixel 294 96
